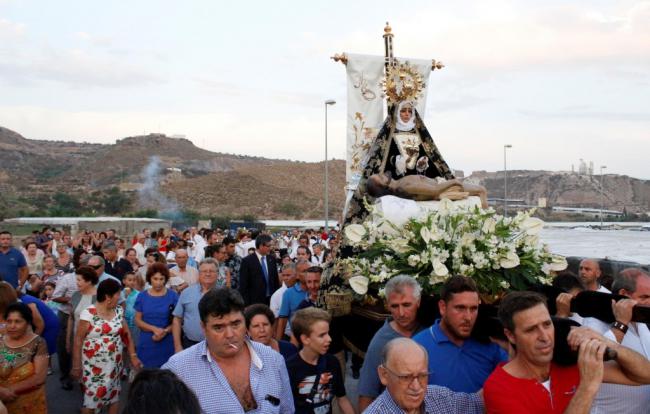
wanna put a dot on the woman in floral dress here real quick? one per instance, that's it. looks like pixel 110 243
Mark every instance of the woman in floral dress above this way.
pixel 23 363
pixel 99 343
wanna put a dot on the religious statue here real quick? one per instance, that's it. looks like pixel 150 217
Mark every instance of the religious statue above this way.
pixel 422 188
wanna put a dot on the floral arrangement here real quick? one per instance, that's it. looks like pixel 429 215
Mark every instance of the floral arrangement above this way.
pixel 499 253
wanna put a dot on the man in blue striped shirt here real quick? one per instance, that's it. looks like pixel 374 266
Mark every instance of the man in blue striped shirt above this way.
pixel 227 372
pixel 403 372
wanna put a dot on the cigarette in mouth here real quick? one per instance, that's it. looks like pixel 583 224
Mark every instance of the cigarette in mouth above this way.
pixel 233 345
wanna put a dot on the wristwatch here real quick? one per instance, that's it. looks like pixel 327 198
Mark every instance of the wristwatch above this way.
pixel 620 326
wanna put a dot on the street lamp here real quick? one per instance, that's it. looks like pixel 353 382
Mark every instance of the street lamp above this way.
pixel 505 181
pixel 327 103
pixel 602 195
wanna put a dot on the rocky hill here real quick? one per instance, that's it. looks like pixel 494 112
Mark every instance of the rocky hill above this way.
pixel 157 172
pixel 161 173
pixel 569 189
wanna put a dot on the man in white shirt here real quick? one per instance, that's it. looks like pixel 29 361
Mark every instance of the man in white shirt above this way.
pixel 635 284
pixel 189 274
pixel 590 273
pixel 288 277
pixel 303 241
pixel 139 248
pixel 246 243
pixel 318 258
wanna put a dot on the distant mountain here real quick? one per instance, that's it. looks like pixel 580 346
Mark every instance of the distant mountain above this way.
pixel 568 189
pixel 32 172
pixel 39 177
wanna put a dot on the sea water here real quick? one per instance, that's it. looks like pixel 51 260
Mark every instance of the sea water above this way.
pixel 615 244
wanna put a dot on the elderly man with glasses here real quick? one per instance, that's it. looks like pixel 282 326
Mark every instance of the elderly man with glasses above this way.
pixel 404 373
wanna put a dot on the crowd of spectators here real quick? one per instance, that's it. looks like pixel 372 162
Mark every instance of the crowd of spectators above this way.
pixel 213 322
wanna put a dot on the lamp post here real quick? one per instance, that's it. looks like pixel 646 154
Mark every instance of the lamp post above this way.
pixel 327 103
pixel 602 195
pixel 505 181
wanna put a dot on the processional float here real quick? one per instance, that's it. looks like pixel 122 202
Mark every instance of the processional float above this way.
pixel 405 213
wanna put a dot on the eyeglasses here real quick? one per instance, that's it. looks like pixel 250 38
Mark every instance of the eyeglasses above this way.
pixel 97 266
pixel 408 378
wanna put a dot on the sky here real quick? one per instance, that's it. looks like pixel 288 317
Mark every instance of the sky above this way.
pixel 557 80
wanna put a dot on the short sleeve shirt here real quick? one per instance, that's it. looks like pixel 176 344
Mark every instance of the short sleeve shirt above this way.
pixel 460 368
pixel 369 384
pixel 10 263
pixel 187 308
pixel 302 377
pixel 505 393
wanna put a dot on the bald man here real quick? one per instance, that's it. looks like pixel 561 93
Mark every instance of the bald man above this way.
pixel 590 274
pixel 403 372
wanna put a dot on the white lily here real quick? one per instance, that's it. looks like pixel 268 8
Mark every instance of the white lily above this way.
pixel 359 284
pixel 355 232
pixel 489 225
pixel 532 226
pixel 510 260
pixel 439 269
pixel 558 263
pixel 426 235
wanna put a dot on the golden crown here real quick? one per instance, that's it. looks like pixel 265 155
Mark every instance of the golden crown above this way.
pixel 402 82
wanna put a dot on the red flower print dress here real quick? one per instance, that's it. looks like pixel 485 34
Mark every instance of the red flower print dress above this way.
pixel 101 358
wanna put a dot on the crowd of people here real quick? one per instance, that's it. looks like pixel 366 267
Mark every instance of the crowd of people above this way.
pixel 207 321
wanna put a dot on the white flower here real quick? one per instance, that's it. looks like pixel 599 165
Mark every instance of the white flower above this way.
pixel 558 263
pixel 489 225
pixel 445 206
pixel 510 260
pixel 387 228
pixel 355 232
pixel 532 225
pixel 413 260
pixel 359 284
pixel 434 280
pixel 439 269
pixel 400 245
pixel 425 233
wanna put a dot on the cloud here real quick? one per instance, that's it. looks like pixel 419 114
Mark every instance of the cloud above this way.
pixel 577 113
pixel 10 30
pixel 74 68
pixel 101 41
pixel 506 36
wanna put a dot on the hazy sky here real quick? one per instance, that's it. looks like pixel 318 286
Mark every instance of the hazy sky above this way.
pixel 558 80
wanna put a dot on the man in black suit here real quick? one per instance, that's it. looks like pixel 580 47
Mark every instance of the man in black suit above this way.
pixel 258 274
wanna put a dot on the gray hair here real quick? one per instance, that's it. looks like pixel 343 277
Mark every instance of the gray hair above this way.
pixel 303 262
pixel 83 261
pixel 109 246
pixel 626 279
pixel 181 251
pixel 291 266
pixel 100 260
pixel 397 284
pixel 211 261
pixel 387 350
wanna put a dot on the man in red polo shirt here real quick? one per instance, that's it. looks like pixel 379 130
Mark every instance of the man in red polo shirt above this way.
pixel 531 383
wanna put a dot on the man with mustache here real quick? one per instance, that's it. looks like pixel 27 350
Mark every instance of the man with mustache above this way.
pixel 456 360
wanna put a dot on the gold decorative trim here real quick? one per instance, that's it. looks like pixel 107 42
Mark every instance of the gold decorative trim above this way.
pixel 402 83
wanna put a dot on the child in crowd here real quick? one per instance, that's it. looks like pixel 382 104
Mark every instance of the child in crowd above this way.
pixel 133 285
pixel 46 296
pixel 314 374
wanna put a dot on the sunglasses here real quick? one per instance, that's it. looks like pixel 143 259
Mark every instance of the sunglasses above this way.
pixel 96 266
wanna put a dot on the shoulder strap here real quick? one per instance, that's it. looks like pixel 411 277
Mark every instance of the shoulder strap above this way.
pixel 320 368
